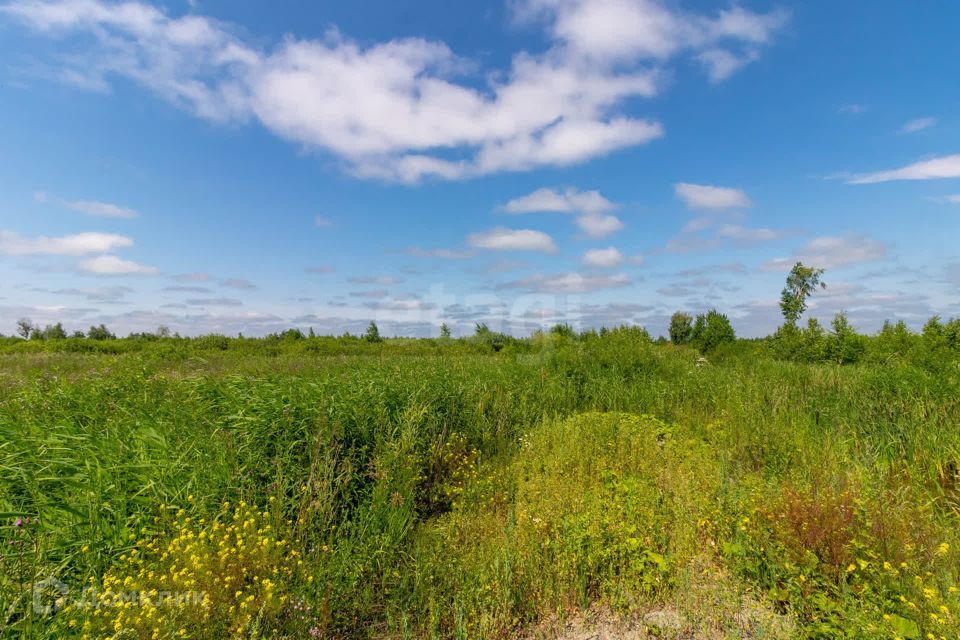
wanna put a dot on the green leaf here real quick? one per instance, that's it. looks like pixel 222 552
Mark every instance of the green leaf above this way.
pixel 904 628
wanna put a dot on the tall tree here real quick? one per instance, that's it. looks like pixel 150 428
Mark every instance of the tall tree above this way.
pixel 681 328
pixel 24 328
pixel 373 333
pixel 801 283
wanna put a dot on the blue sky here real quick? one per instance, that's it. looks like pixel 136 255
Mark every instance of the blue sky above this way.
pixel 245 167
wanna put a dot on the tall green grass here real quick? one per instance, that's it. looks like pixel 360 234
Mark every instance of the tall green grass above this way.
pixel 440 492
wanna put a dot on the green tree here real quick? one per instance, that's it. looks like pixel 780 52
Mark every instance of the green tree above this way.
pixel 681 328
pixel 845 345
pixel 54 332
pixel 444 330
pixel 712 330
pixel 801 283
pixel 100 333
pixel 24 328
pixel 373 333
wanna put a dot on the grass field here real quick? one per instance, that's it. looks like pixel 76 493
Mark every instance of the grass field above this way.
pixel 437 489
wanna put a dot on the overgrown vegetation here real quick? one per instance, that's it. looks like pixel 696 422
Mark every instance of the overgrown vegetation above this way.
pixel 477 487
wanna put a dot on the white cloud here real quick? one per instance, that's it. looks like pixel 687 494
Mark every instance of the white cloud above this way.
pixel 570 283
pixel 935 168
pixel 917 124
pixel 748 235
pixel 831 252
pixel 603 258
pixel 701 196
pixel 599 225
pixel 320 221
pixel 104 209
pixel 592 207
pixel 570 200
pixel 952 199
pixel 397 110
pixel 108 265
pixel 606 31
pixel 14 244
pixel 721 64
pixel 501 239
pixel 91 207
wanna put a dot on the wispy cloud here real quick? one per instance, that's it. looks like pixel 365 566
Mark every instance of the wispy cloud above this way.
pixel 917 124
pixel 569 283
pixel 108 265
pixel 90 207
pixel 832 252
pixel 14 244
pixel 381 280
pixel 238 283
pixel 192 277
pixel 932 169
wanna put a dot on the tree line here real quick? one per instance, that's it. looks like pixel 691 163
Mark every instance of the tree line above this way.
pixel 710 333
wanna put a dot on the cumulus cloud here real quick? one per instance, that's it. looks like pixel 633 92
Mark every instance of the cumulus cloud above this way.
pixel 598 225
pixel 502 239
pixel 917 124
pixel 831 252
pixel 603 258
pixel 569 200
pixel 14 244
pixel 108 265
pixel 606 31
pixel 932 169
pixel 91 207
pixel 398 110
pixel 700 196
pixel 592 208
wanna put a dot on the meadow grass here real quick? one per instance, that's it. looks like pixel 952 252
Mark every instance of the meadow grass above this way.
pixel 439 490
